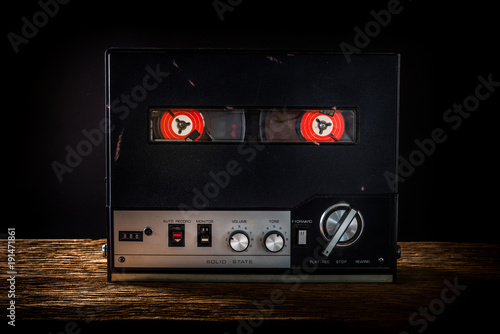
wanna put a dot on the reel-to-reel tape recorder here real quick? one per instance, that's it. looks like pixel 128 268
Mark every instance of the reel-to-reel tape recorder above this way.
pixel 227 165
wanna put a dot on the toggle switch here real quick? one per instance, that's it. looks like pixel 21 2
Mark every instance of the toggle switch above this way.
pixel 176 235
pixel 301 236
pixel 204 235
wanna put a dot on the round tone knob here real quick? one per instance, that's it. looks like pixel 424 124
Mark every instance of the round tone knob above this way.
pixel 239 241
pixel 274 241
pixel 333 216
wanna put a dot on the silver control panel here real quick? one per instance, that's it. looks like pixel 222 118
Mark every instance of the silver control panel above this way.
pixel 201 239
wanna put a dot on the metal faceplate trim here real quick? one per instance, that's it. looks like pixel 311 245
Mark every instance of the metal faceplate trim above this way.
pixel 369 278
pixel 154 250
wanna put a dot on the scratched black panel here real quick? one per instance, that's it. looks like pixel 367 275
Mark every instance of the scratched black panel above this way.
pixel 143 174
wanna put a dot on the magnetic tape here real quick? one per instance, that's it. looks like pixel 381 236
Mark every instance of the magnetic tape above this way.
pixel 228 125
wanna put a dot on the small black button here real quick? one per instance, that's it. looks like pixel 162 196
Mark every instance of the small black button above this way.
pixel 148 231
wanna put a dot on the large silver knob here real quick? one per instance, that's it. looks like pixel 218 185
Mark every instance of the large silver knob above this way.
pixel 340 225
pixel 274 241
pixel 239 241
pixel 330 222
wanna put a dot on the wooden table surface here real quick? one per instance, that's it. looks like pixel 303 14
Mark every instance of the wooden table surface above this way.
pixel 440 285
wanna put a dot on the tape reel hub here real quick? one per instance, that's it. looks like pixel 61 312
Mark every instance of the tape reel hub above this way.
pixel 321 127
pixel 180 123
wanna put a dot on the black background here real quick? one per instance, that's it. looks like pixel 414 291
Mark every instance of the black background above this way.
pixel 54 89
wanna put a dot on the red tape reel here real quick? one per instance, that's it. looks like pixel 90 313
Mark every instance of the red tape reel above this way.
pixel 178 124
pixel 319 127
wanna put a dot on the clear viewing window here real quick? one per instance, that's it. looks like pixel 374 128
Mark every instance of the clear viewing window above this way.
pixel 270 125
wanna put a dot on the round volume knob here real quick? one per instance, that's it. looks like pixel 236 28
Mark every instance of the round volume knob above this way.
pixel 239 241
pixel 274 241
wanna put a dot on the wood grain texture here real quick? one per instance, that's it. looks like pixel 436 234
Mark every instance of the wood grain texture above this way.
pixel 66 280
